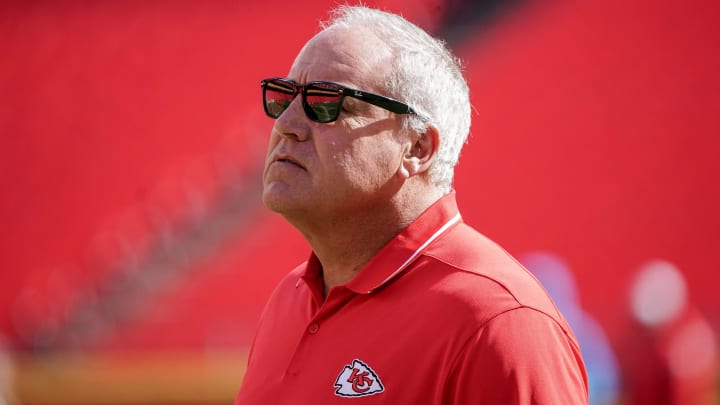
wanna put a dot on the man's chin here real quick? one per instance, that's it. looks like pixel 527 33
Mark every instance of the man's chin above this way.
pixel 281 202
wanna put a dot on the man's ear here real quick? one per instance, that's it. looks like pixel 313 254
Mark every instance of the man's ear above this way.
pixel 419 155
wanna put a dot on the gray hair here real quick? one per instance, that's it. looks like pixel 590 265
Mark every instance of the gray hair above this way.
pixel 425 75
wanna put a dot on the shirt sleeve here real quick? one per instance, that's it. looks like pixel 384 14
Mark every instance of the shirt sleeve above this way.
pixel 522 356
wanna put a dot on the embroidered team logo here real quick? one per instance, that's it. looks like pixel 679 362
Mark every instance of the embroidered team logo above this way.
pixel 358 380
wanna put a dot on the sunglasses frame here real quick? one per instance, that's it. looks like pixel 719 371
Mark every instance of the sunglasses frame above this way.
pixel 387 103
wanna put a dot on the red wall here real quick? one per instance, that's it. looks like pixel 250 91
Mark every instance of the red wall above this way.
pixel 595 136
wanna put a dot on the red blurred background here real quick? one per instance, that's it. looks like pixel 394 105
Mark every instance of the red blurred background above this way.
pixel 135 247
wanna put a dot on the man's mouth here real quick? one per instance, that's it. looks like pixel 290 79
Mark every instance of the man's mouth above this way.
pixel 287 159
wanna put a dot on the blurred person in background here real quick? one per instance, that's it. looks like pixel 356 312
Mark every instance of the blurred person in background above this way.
pixel 602 368
pixel 669 354
pixel 400 301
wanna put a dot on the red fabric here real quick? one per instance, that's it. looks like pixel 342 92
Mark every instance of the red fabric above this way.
pixel 463 323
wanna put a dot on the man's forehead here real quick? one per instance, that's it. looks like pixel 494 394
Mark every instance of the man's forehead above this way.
pixel 340 53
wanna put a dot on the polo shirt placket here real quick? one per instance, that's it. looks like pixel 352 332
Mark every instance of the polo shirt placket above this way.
pixel 322 310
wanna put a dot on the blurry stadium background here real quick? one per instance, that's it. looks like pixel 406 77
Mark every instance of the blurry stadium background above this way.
pixel 135 255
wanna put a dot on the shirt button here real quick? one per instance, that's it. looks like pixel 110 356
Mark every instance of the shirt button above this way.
pixel 313 328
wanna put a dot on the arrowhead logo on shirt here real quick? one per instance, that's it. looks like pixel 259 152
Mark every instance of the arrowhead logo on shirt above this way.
pixel 358 380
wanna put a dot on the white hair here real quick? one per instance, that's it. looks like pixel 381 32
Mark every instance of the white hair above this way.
pixel 425 75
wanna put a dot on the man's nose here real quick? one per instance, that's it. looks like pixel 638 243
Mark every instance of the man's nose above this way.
pixel 293 122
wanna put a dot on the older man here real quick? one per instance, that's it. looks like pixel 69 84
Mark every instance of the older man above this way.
pixel 400 302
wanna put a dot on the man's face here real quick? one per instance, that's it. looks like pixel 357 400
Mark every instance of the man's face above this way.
pixel 316 170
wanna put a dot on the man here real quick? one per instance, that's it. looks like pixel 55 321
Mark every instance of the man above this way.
pixel 400 302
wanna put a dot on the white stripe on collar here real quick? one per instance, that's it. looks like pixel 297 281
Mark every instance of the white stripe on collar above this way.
pixel 422 247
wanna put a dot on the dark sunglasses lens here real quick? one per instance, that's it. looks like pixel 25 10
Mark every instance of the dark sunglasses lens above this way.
pixel 277 96
pixel 324 100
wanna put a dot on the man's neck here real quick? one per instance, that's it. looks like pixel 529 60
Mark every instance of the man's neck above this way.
pixel 345 244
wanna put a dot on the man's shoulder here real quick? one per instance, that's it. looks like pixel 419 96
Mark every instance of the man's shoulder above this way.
pixel 288 282
pixel 481 273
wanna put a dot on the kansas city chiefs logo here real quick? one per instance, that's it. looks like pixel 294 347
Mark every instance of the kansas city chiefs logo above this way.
pixel 358 380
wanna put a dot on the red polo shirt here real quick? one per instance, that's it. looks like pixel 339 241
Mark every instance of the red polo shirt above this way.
pixel 441 315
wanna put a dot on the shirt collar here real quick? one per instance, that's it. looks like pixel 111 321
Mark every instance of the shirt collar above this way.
pixel 400 252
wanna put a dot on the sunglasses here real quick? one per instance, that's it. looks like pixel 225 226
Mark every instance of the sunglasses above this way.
pixel 322 101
